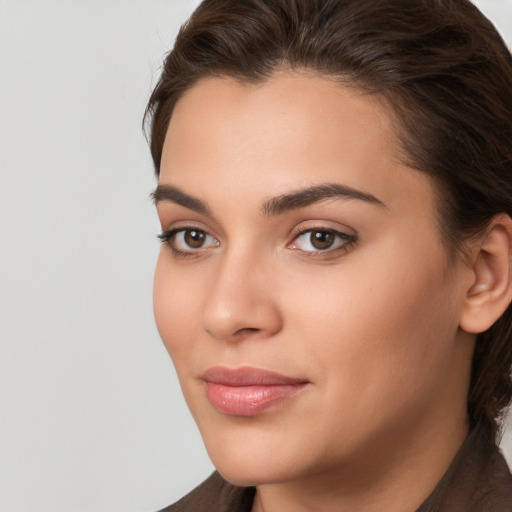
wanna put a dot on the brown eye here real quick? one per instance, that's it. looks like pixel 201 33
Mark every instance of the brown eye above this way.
pixel 188 241
pixel 322 240
pixel 194 238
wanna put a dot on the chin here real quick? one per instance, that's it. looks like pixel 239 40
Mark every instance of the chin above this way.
pixel 247 456
pixel 248 463
pixel 253 455
pixel 245 473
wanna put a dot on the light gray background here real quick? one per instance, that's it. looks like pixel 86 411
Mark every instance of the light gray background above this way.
pixel 91 415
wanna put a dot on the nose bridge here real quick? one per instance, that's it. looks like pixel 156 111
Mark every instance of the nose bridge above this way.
pixel 241 302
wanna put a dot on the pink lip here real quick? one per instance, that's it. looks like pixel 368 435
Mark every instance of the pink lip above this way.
pixel 248 391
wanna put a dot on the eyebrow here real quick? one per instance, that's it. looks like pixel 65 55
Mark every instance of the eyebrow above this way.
pixel 175 195
pixel 311 195
pixel 275 206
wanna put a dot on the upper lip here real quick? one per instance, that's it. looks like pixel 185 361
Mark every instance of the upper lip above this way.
pixel 248 376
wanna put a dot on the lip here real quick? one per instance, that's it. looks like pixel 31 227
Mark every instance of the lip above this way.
pixel 248 391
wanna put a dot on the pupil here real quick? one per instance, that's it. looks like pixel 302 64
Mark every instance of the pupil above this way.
pixel 194 239
pixel 322 239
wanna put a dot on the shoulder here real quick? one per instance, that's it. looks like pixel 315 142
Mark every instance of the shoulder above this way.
pixel 478 480
pixel 215 495
pixel 495 489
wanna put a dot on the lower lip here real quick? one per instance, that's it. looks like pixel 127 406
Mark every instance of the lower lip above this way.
pixel 249 400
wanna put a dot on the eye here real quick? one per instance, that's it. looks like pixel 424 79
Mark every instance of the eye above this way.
pixel 321 240
pixel 185 241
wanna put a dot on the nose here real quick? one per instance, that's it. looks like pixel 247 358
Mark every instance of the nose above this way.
pixel 241 303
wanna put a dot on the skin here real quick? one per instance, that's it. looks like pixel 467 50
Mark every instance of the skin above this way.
pixel 372 323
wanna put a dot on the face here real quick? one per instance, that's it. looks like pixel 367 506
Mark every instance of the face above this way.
pixel 303 290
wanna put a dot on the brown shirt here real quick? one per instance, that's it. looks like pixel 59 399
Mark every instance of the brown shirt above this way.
pixel 478 480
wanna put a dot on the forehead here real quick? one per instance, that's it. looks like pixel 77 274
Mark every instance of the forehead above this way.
pixel 292 130
pixel 288 107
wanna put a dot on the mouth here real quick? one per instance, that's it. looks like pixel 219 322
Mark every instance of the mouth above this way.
pixel 248 391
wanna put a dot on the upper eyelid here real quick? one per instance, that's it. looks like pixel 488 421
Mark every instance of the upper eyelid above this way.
pixel 298 230
pixel 321 228
pixel 342 234
pixel 175 226
pixel 318 225
pixel 183 224
pixel 209 226
pixel 167 237
pixel 179 229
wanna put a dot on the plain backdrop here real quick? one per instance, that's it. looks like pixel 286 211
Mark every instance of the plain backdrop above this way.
pixel 91 416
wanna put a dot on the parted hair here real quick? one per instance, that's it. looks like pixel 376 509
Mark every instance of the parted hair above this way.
pixel 443 69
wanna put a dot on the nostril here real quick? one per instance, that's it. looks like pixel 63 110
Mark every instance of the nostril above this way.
pixel 246 333
pixel 248 330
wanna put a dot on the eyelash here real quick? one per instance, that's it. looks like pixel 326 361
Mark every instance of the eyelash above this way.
pixel 168 237
pixel 347 242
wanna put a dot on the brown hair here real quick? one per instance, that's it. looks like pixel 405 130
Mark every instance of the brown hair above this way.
pixel 446 73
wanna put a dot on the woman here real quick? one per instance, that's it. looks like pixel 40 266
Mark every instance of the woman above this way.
pixel 335 275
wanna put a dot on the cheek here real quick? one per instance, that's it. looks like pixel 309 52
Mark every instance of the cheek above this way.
pixel 176 308
pixel 381 329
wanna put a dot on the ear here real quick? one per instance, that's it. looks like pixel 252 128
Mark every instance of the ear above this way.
pixel 490 292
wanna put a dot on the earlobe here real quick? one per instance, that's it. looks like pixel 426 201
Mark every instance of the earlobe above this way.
pixel 490 292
